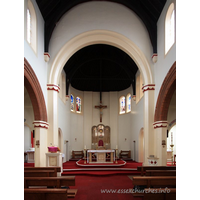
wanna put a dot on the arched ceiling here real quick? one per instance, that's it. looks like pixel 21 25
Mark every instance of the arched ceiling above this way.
pixel 147 10
pixel 100 68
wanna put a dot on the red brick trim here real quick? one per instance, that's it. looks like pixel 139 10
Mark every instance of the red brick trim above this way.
pixel 166 91
pixel 35 92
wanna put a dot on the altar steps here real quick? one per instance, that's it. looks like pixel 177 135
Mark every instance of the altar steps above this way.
pixel 130 168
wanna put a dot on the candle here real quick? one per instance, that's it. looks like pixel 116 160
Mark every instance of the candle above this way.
pixel 116 146
pixel 85 146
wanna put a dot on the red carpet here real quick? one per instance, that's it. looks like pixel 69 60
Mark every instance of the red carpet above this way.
pixel 29 164
pixel 104 188
pixel 170 164
pixel 71 168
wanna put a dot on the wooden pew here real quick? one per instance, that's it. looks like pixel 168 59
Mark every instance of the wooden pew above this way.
pixel 160 173
pixel 45 194
pixel 56 182
pixel 57 169
pixel 28 173
pixel 155 181
pixel 40 173
pixel 160 194
pixel 144 168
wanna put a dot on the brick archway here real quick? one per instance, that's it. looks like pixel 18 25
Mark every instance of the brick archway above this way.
pixel 166 91
pixel 35 92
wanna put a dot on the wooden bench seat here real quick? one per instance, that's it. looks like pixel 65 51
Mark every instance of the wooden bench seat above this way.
pixel 40 173
pixel 143 169
pixel 160 173
pixel 56 182
pixel 45 194
pixel 57 169
pixel 125 154
pixel 155 181
pixel 78 154
pixel 160 194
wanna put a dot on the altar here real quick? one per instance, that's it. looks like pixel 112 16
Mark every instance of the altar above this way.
pixel 101 155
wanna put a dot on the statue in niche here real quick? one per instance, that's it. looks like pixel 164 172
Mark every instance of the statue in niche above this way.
pixel 100 137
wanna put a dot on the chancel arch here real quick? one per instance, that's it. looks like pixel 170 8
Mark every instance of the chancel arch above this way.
pixel 100 37
pixel 116 40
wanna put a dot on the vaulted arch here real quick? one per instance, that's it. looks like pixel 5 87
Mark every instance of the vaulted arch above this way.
pixel 166 91
pixel 35 92
pixel 100 37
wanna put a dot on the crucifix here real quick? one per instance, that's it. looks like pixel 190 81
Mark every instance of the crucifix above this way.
pixel 101 107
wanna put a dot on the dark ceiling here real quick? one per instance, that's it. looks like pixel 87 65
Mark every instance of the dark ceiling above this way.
pixel 101 67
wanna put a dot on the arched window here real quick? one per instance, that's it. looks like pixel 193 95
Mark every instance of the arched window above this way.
pixel 169 28
pixel 29 29
pixel 128 103
pixel 78 104
pixel 31 26
pixel 122 104
pixel 72 103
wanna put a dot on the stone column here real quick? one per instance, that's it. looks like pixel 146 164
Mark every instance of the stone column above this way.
pixel 160 128
pixel 40 143
pixel 52 111
pixel 148 121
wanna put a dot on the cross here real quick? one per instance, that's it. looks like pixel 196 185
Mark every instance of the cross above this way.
pixel 100 107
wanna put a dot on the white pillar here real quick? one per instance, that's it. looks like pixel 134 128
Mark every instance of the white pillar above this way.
pixel 160 128
pixel 148 121
pixel 53 91
pixel 41 139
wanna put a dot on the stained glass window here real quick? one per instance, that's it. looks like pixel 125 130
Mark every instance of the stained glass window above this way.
pixel 78 104
pixel 122 102
pixel 72 103
pixel 128 103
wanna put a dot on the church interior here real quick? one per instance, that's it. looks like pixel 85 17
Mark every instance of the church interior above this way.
pixel 100 86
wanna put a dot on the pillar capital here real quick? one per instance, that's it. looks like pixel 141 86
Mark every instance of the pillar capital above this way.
pixel 154 57
pixel 148 87
pixel 53 87
pixel 46 56
pixel 41 124
pixel 160 124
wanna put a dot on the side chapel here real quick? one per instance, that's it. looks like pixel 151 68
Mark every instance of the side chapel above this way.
pixel 100 73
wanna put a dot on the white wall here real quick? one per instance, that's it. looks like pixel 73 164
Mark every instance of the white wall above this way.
pixel 123 128
pixel 164 62
pixel 27 138
pixel 137 122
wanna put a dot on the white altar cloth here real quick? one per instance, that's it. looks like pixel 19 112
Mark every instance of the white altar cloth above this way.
pixel 100 151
